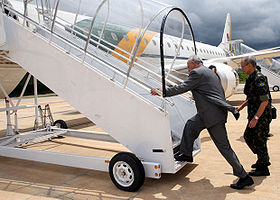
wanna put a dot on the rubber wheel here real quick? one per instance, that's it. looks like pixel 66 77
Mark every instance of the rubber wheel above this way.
pixel 275 88
pixel 126 172
pixel 60 124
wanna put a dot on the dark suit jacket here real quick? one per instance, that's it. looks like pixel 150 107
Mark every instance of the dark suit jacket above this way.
pixel 208 94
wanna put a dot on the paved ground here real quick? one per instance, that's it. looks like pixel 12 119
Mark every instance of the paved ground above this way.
pixel 207 178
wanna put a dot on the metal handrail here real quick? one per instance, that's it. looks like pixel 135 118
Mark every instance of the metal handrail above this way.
pixel 103 46
pixel 137 82
pixel 54 18
pixel 161 44
pixel 118 54
pixel 142 35
pixel 104 25
pixel 91 28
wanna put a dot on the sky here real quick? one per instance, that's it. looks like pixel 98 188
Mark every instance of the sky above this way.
pixel 256 22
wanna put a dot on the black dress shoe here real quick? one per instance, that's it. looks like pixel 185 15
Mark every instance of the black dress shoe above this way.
pixel 182 157
pixel 260 172
pixel 242 182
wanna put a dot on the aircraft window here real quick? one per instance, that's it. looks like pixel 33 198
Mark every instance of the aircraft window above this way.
pixel 176 46
pixel 192 49
pixel 168 44
pixel 99 33
pixel 200 50
pixel 114 36
pixel 182 47
pixel 188 48
pixel 126 38
pixel 154 42
pixel 145 40
pixel 204 50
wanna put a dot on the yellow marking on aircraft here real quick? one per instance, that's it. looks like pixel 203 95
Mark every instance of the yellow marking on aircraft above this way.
pixel 128 41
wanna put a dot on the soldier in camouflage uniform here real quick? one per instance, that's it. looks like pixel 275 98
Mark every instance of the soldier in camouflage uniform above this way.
pixel 259 115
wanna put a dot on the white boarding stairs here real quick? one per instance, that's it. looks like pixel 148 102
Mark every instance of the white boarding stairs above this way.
pixel 95 84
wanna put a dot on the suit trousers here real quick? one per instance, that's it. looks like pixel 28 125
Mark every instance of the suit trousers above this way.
pixel 218 134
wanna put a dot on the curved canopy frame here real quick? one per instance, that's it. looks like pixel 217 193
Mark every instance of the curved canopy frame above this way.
pixel 162 46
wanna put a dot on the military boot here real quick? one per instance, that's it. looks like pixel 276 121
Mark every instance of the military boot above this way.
pixel 260 171
pixel 259 165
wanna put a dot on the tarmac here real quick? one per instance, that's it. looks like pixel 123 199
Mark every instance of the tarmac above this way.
pixel 208 177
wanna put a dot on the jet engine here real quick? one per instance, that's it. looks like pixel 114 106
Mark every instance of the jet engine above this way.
pixel 228 76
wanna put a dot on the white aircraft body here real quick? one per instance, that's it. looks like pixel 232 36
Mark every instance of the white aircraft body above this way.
pixel 124 37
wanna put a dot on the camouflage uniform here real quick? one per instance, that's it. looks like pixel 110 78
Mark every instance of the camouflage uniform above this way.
pixel 257 90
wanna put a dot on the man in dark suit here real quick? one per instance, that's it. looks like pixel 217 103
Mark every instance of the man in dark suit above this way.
pixel 211 114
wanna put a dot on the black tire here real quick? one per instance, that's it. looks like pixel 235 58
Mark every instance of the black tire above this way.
pixel 126 172
pixel 60 124
pixel 275 88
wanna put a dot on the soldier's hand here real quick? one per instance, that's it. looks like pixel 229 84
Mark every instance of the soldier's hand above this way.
pixel 253 123
pixel 238 108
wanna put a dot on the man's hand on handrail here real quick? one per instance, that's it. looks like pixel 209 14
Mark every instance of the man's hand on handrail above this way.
pixel 156 91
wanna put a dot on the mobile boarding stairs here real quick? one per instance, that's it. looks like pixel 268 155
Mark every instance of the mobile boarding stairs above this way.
pixel 86 71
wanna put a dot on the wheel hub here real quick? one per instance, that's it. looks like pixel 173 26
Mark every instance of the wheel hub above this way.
pixel 123 173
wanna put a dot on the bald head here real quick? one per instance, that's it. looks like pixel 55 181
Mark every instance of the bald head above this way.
pixel 194 62
pixel 195 59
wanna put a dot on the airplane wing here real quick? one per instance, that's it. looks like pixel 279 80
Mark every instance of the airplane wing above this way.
pixel 234 61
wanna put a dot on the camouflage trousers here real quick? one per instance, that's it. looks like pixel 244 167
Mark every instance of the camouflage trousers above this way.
pixel 257 141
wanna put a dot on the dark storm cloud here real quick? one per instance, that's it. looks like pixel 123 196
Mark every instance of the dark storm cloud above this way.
pixel 254 21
